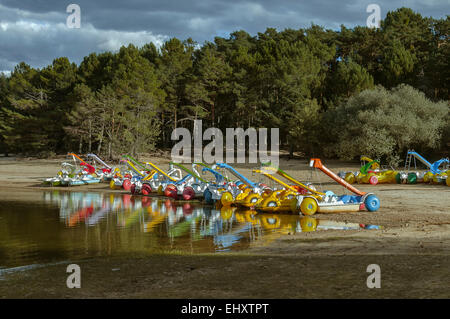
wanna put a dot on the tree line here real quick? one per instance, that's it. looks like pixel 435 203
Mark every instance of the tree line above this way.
pixel 332 92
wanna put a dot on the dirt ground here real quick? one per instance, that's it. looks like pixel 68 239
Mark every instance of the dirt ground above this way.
pixel 412 250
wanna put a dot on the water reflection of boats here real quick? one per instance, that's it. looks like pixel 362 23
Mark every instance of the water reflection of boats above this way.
pixel 175 224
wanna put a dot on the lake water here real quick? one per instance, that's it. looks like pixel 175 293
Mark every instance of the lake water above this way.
pixel 54 226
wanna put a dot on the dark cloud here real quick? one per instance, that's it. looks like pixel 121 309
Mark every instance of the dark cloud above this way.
pixel 35 31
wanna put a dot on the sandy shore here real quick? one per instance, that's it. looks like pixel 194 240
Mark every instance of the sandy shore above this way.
pixel 412 250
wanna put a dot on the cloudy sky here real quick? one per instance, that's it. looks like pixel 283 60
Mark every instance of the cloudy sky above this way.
pixel 35 31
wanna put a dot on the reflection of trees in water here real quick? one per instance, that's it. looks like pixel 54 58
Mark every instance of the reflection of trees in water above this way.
pixel 125 223
pixel 30 233
pixel 70 225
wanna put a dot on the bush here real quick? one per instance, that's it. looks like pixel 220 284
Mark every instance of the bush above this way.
pixel 384 124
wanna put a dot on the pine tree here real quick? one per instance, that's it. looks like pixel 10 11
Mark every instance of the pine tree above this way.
pixel 350 78
pixel 28 100
pixel 174 67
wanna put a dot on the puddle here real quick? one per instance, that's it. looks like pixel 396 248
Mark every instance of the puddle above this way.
pixel 61 225
pixel 4 271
